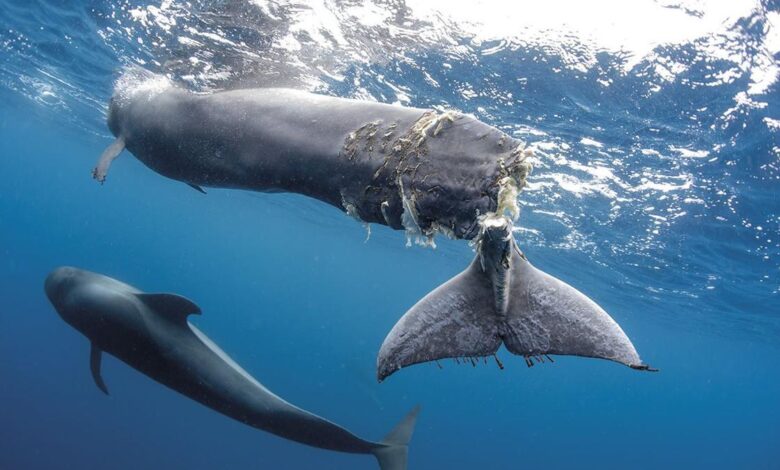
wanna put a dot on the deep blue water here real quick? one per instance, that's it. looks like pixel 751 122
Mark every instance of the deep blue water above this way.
pixel 656 195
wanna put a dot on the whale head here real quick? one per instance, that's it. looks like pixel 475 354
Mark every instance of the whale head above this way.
pixel 134 85
pixel 68 289
pixel 113 118
pixel 92 303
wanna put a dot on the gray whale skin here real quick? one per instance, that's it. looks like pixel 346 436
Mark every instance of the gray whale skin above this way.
pixel 418 170
pixel 150 333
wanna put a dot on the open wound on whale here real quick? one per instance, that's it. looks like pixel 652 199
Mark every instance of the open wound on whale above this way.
pixel 409 220
pixel 429 125
pixel 502 299
pixel 385 138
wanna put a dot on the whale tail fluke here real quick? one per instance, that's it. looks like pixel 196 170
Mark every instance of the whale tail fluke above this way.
pixel 393 451
pixel 511 302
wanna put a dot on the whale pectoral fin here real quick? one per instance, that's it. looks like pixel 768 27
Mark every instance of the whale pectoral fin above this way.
pixel 172 306
pixel 548 316
pixel 196 188
pixel 104 163
pixel 95 356
pixel 455 320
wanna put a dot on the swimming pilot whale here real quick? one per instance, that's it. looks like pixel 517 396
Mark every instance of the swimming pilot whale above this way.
pixel 150 333
pixel 419 170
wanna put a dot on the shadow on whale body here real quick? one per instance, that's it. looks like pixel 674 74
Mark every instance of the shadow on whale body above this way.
pixel 150 333
pixel 410 169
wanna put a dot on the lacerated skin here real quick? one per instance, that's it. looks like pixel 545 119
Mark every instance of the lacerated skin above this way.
pixel 362 157
pixel 177 355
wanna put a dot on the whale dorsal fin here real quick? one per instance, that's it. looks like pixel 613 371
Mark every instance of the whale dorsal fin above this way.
pixel 196 188
pixel 171 306
pixel 95 356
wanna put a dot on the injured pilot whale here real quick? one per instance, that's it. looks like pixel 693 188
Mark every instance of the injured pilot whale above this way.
pixel 150 333
pixel 418 170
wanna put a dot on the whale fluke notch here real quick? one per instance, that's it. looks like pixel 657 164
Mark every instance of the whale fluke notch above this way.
pixel 172 306
pixel 95 359
pixel 502 298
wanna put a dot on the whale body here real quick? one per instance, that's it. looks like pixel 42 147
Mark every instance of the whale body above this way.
pixel 419 170
pixel 407 168
pixel 150 333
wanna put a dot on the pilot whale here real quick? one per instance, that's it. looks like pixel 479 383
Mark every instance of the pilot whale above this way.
pixel 150 333
pixel 420 170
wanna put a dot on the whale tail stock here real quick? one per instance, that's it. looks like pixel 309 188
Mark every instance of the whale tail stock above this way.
pixel 502 298
pixel 392 453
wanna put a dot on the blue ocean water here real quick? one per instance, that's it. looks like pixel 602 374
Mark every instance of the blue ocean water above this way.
pixel 655 191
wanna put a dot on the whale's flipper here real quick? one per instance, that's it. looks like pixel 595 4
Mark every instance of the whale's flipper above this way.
pixel 95 356
pixel 393 451
pixel 104 163
pixel 499 298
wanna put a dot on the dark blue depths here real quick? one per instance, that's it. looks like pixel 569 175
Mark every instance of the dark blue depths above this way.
pixel 295 294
